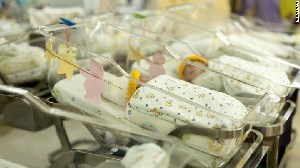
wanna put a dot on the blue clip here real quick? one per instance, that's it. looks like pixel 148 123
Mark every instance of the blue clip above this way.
pixel 67 22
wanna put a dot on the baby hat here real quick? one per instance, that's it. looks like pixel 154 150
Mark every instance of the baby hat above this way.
pixel 191 58
pixel 120 89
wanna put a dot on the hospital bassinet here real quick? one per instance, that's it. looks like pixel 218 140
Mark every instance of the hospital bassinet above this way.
pixel 235 32
pixel 74 90
pixel 22 65
pixel 171 27
pixel 255 26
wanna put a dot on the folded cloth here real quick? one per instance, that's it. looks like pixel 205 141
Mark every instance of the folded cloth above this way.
pixel 146 156
pixel 118 96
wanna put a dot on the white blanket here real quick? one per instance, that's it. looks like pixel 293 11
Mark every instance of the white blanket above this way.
pixel 161 113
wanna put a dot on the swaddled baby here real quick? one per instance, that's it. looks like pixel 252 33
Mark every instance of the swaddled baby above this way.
pixel 22 63
pixel 264 77
pixel 161 113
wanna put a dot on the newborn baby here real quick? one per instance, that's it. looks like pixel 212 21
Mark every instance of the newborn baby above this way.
pixel 22 63
pixel 264 77
pixel 159 112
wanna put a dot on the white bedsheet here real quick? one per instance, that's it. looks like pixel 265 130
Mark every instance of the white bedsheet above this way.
pixel 72 92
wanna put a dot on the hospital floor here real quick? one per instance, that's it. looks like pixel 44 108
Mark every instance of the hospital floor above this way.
pixel 32 149
pixel 293 156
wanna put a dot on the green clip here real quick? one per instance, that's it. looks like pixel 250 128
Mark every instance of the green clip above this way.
pixel 140 16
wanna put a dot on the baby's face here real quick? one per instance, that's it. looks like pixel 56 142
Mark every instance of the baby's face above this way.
pixel 190 72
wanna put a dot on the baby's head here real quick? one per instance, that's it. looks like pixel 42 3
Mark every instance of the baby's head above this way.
pixel 189 72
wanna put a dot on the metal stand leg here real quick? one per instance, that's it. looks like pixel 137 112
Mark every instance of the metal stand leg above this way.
pixel 80 157
pixel 62 134
pixel 64 140
pixel 272 158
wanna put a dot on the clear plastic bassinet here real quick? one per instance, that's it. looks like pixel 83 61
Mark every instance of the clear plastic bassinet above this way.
pixel 275 32
pixel 221 16
pixel 98 60
pixel 213 45
pixel 236 33
pixel 278 32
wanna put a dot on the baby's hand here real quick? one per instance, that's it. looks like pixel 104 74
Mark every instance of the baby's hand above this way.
pixel 143 79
